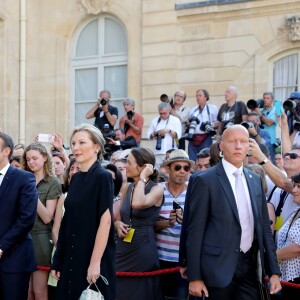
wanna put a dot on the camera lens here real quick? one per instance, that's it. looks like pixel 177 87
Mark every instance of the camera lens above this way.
pixel 103 101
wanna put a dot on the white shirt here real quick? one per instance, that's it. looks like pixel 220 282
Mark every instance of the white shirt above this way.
pixel 168 142
pixel 183 112
pixel 229 170
pixel 3 172
pixel 203 116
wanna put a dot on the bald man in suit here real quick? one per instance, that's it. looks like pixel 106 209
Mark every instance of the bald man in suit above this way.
pixel 227 228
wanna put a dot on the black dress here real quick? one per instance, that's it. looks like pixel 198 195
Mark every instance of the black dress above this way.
pixel 140 255
pixel 90 195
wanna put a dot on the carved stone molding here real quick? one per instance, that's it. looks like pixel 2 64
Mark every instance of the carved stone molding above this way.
pixel 294 28
pixel 291 28
pixel 93 7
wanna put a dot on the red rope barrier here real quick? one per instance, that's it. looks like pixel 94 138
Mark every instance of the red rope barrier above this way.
pixel 168 271
pixel 42 268
pixel 148 274
pixel 286 283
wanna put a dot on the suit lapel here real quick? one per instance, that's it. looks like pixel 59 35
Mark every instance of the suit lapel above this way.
pixel 6 180
pixel 226 186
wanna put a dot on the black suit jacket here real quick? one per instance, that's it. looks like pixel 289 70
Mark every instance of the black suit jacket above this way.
pixel 214 231
pixel 128 143
pixel 18 204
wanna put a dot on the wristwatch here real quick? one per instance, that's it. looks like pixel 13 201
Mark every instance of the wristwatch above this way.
pixel 144 180
pixel 264 161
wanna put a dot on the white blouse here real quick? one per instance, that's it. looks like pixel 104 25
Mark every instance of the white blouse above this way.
pixel 290 268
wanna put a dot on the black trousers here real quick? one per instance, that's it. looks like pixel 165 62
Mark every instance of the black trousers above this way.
pixel 173 285
pixel 244 285
pixel 14 286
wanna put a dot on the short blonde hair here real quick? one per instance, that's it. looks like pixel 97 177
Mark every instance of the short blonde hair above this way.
pixel 95 134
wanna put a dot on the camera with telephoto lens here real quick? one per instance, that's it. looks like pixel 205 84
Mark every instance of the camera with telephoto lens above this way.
pixel 158 140
pixel 289 104
pixel 252 104
pixel 194 121
pixel 103 101
pixel 167 99
pixel 247 124
pixel 277 143
pixel 206 126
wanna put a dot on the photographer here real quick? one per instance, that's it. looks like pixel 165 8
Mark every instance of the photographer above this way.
pixel 268 119
pixel 164 130
pixel 202 124
pixel 253 126
pixel 119 142
pixel 181 112
pixel 292 109
pixel 132 123
pixel 231 112
pixel 103 112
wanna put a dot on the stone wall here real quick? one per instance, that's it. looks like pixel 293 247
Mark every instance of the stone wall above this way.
pixel 170 47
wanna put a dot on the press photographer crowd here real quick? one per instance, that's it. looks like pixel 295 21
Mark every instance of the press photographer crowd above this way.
pixel 218 195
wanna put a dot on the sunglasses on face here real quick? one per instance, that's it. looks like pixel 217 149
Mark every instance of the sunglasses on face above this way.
pixel 179 167
pixel 291 155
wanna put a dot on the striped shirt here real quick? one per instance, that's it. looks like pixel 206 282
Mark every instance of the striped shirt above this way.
pixel 167 240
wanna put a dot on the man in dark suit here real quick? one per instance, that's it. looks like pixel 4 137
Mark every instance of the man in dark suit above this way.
pixel 18 205
pixel 228 226
pixel 120 142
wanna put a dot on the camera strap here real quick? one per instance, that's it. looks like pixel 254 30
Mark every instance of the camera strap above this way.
pixel 200 112
pixel 158 121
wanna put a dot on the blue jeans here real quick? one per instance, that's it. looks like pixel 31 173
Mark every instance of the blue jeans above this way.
pixel 193 151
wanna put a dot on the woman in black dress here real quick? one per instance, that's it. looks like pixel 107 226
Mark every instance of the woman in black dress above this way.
pixel 140 207
pixel 86 245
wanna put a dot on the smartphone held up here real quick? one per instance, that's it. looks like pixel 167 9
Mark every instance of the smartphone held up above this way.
pixel 45 138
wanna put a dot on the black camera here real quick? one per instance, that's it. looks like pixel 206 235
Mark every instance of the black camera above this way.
pixel 252 104
pixel 130 115
pixel 289 104
pixel 247 124
pixel 194 121
pixel 206 126
pixel 109 135
pixel 103 101
pixel 158 140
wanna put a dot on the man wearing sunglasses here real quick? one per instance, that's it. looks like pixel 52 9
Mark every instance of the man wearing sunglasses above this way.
pixel 168 226
pixel 228 226
pixel 282 200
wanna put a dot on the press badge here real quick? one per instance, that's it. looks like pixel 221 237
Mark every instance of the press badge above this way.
pixel 129 236
pixel 279 223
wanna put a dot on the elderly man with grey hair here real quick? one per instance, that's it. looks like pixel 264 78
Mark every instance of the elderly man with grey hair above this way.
pixel 231 112
pixel 131 123
pixel 164 130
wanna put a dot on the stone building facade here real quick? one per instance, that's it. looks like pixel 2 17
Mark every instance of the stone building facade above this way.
pixel 55 56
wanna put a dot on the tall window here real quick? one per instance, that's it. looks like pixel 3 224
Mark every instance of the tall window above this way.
pixel 99 62
pixel 286 76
